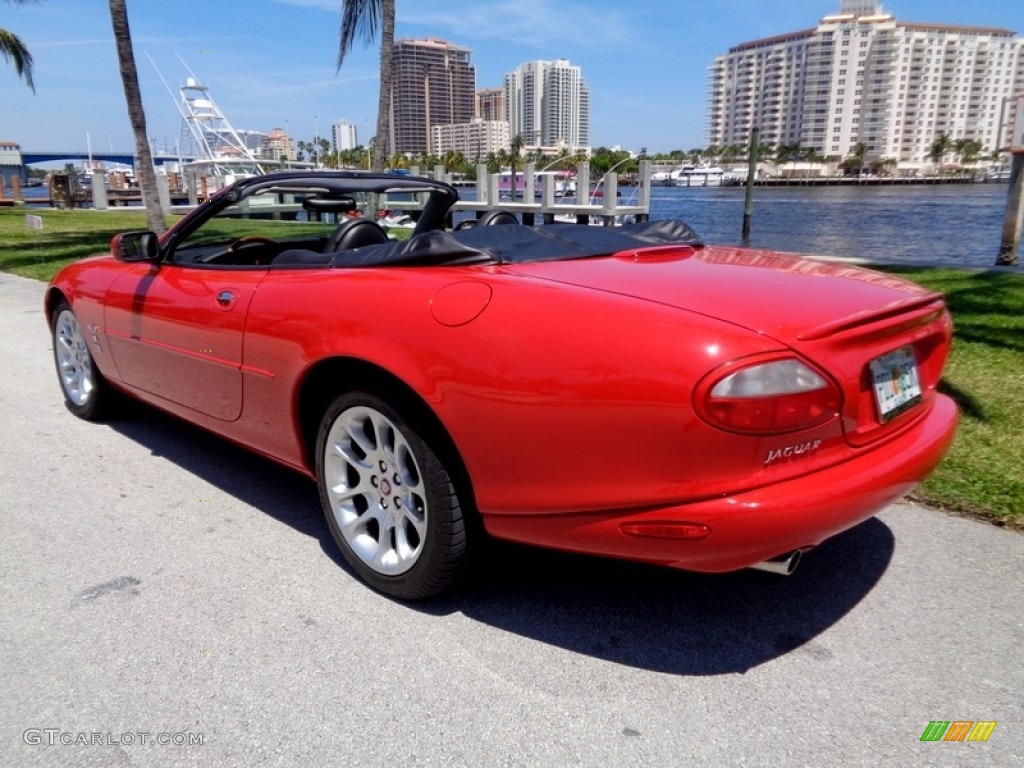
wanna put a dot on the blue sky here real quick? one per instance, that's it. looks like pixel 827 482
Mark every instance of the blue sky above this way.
pixel 271 63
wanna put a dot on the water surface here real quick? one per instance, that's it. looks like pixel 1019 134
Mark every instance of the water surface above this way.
pixel 956 224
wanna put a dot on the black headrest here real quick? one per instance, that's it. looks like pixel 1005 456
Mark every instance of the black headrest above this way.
pixel 497 216
pixel 355 233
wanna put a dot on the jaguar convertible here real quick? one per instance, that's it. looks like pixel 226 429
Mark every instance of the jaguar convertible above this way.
pixel 624 391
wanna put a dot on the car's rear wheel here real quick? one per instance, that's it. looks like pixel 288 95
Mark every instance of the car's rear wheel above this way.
pixel 86 392
pixel 390 502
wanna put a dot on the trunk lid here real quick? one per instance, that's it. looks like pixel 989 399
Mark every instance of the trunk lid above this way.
pixel 840 317
pixel 780 295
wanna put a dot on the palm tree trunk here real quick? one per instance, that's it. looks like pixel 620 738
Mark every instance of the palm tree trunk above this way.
pixel 382 144
pixel 133 97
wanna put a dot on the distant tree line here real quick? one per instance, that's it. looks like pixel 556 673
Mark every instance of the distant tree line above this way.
pixel 944 149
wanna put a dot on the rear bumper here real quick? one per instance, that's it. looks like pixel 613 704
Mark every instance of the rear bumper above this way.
pixel 756 525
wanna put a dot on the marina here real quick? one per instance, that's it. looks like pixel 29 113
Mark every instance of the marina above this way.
pixel 948 224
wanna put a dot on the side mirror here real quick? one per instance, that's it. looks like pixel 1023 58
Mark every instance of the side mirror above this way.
pixel 135 246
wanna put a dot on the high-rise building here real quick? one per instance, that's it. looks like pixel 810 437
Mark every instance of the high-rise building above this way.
pixel 490 104
pixel 862 77
pixel 548 105
pixel 344 136
pixel 434 84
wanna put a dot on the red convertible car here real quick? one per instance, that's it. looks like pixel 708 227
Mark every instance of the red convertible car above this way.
pixel 626 391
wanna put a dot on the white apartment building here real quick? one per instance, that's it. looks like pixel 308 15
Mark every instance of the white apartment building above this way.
pixel 475 139
pixel 861 76
pixel 548 105
pixel 344 136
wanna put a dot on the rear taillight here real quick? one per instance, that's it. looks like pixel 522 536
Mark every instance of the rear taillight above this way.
pixel 767 397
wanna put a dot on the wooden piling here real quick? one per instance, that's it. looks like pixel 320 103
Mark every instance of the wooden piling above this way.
pixel 748 200
pixel 1013 221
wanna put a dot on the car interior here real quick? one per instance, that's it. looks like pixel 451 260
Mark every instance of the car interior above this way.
pixel 287 222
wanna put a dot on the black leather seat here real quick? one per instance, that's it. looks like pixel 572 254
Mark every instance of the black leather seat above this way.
pixel 355 233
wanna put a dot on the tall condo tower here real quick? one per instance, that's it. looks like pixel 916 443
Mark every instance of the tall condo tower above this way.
pixel 548 105
pixel 434 84
pixel 862 77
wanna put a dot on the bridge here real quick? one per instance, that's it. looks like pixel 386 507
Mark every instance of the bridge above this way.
pixel 31 158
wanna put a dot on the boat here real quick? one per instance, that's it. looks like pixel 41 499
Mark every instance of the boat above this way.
pixel 597 219
pixel 221 156
pixel 702 176
pixel 565 183
pixel 396 220
pixel 667 178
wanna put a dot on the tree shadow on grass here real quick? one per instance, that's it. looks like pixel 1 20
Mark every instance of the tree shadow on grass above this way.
pixel 54 249
pixel 987 306
pixel 969 405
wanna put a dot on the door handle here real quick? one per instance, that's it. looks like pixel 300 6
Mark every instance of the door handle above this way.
pixel 225 298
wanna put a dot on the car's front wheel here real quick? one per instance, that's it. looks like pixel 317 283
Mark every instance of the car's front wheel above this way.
pixel 86 392
pixel 390 502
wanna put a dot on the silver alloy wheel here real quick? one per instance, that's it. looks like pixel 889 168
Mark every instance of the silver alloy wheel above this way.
pixel 375 489
pixel 74 363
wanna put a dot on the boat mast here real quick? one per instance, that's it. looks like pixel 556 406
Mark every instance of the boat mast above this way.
pixel 208 127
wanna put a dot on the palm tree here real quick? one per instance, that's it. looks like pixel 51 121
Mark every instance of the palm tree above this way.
pixel 14 50
pixel 516 147
pixel 133 98
pixel 731 152
pixel 365 17
pixel 940 148
pixel 968 150
pixel 787 152
pixel 855 160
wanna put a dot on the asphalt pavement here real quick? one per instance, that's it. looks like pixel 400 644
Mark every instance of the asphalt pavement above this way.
pixel 168 599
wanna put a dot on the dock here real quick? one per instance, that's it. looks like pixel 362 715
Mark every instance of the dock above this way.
pixel 540 203
pixel 860 181
pixel 537 203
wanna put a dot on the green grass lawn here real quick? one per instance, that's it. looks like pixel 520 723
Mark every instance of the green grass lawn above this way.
pixel 981 476
pixel 66 236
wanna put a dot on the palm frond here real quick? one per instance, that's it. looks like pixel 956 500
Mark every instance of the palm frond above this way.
pixel 358 17
pixel 14 51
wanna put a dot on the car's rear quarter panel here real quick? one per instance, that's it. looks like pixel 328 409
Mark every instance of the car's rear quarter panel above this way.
pixel 558 398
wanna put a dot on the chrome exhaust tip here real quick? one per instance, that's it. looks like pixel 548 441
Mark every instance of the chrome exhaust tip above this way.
pixel 783 565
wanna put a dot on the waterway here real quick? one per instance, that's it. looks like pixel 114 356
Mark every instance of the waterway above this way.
pixel 955 224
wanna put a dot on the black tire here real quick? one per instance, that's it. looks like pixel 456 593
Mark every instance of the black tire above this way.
pixel 86 393
pixel 391 504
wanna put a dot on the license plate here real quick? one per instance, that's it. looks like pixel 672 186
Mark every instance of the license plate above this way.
pixel 897 385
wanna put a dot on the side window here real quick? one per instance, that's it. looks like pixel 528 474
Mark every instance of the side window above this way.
pixel 252 231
